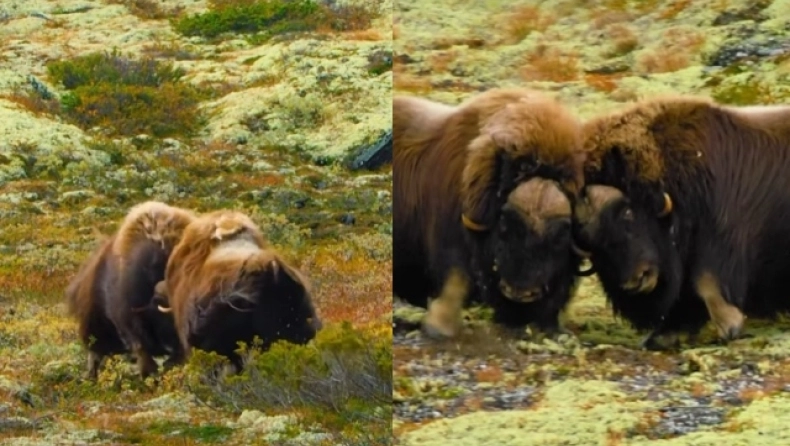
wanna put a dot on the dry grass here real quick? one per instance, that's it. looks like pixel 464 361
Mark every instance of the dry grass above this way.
pixel 523 20
pixel 148 9
pixel 676 51
pixel 367 35
pixel 440 61
pixel 606 83
pixel 623 39
pixel 673 9
pixel 33 103
pixel 406 82
pixel 548 63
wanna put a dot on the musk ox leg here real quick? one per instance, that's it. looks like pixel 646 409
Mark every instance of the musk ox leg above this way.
pixel 94 364
pixel 444 318
pixel 177 357
pixel 727 318
pixel 658 340
pixel 145 363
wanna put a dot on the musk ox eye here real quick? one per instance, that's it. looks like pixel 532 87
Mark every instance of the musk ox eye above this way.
pixel 628 214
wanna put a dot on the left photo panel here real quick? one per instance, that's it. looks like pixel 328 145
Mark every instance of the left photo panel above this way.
pixel 196 222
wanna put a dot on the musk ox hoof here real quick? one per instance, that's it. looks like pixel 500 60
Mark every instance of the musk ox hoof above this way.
pixel 439 331
pixel 660 341
pixel 729 323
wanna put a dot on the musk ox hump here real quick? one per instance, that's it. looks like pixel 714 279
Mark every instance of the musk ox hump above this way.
pixel 415 114
pixel 537 200
pixel 152 220
pixel 650 135
pixel 231 224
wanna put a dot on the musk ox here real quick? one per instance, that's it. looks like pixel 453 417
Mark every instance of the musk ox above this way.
pixel 483 194
pixel 111 294
pixel 225 284
pixel 685 212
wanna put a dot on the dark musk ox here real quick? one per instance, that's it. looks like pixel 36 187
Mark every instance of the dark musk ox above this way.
pixel 225 284
pixel 685 214
pixel 111 294
pixel 483 194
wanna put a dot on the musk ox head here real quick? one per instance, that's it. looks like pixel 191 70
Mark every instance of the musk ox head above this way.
pixel 271 301
pixel 521 174
pixel 531 242
pixel 628 239
pixel 225 285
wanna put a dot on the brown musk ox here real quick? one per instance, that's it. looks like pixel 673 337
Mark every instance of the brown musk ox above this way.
pixel 224 284
pixel 111 294
pixel 685 214
pixel 482 195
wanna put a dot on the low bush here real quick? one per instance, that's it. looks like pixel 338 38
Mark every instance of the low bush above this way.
pixel 342 367
pixel 127 96
pixel 272 17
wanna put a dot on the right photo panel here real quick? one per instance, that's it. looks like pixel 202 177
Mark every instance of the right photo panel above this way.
pixel 590 234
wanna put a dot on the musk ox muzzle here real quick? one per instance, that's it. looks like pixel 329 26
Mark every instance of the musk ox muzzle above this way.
pixel 534 225
pixel 618 238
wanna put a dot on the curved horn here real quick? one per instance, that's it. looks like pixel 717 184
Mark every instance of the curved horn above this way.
pixel 586 273
pixel 471 225
pixel 580 252
pixel 667 205
pixel 164 309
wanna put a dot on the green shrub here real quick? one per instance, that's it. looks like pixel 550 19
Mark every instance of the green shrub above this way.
pixel 340 369
pixel 127 96
pixel 753 92
pixel 272 17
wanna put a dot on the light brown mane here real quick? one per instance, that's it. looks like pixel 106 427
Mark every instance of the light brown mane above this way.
pixel 151 220
pixel 464 143
pixel 634 131
pixel 192 274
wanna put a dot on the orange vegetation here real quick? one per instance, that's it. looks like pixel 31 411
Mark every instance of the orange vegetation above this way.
pixel 675 52
pixel 439 61
pixel 349 286
pixel 407 82
pixel 489 374
pixel 522 20
pixel 368 35
pixel 673 9
pixel 550 64
pixel 623 39
pixel 606 83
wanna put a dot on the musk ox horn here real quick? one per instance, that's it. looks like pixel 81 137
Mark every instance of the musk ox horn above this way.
pixel 471 225
pixel 586 272
pixel 667 205
pixel 164 309
pixel 580 252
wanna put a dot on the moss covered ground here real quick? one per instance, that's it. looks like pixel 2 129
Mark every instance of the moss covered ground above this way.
pixel 78 148
pixel 595 387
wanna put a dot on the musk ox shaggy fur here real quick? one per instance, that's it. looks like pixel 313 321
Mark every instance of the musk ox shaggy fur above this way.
pixel 111 294
pixel 225 284
pixel 692 227
pixel 483 194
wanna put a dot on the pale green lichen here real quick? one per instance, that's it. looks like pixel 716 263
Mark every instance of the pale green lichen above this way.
pixel 572 413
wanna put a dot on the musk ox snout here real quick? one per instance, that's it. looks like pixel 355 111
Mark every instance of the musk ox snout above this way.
pixel 522 295
pixel 535 220
pixel 643 280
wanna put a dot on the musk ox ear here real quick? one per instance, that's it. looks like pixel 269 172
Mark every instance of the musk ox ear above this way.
pixel 480 184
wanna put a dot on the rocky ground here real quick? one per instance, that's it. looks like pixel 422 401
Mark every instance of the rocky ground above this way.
pixel 595 387
pixel 283 118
